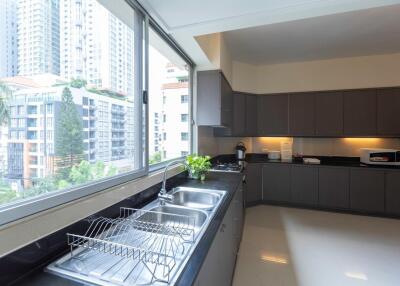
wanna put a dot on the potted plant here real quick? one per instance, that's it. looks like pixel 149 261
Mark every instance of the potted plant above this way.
pixel 199 166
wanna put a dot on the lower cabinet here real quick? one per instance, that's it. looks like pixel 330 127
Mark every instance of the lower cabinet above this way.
pixel 367 190
pixel 276 182
pixel 304 185
pixel 392 192
pixel 218 267
pixel 333 187
pixel 253 192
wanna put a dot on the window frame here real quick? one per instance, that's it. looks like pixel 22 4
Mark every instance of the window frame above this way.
pixel 143 21
pixel 14 211
pixel 191 66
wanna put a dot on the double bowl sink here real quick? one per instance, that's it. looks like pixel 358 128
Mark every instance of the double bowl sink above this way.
pixel 191 202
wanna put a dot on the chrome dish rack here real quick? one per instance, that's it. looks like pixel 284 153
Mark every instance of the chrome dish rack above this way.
pixel 140 247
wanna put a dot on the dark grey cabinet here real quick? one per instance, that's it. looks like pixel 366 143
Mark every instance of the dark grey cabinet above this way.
pixel 251 115
pixel 302 114
pixel 219 264
pixel 239 114
pixel 253 187
pixel 329 114
pixel 333 187
pixel 367 190
pixel 272 115
pixel 392 192
pixel 359 112
pixel 388 107
pixel 276 182
pixel 214 99
pixel 304 185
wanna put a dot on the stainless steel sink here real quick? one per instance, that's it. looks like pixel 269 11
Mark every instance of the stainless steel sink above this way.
pixel 203 199
pixel 196 218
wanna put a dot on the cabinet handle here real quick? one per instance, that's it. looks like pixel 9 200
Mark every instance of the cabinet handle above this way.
pixel 223 227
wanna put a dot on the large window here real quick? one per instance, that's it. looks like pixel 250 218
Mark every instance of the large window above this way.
pixel 71 101
pixel 169 105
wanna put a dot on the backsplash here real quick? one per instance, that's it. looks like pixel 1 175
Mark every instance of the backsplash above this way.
pixel 306 146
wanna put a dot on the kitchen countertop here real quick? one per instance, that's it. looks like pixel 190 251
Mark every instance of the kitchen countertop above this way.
pixel 325 161
pixel 221 181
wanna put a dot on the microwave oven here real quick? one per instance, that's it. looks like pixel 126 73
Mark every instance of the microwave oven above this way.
pixel 380 156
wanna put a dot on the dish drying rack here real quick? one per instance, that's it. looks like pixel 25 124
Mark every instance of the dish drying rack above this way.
pixel 154 240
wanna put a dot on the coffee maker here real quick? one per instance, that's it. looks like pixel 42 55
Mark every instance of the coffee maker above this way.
pixel 240 153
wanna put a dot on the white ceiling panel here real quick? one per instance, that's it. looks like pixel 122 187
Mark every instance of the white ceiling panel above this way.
pixel 359 33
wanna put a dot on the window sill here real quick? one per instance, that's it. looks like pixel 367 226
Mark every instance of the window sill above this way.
pixel 31 228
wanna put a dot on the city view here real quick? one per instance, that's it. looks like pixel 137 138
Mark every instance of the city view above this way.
pixel 68 110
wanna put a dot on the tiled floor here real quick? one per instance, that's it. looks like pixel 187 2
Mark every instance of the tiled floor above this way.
pixel 286 247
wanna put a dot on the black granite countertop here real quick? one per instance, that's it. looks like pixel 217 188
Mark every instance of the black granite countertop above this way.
pixel 325 161
pixel 221 181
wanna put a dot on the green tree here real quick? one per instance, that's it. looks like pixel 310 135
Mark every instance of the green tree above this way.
pixel 86 172
pixel 155 158
pixel 78 83
pixel 5 94
pixel 69 140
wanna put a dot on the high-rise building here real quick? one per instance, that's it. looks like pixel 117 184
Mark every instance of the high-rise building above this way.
pixel 96 46
pixel 8 38
pixel 38 33
pixel 169 116
pixel 108 128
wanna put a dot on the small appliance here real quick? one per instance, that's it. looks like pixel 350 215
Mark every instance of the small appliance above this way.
pixel 240 153
pixel 380 156
pixel 274 155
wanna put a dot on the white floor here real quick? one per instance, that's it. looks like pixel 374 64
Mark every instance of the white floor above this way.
pixel 284 246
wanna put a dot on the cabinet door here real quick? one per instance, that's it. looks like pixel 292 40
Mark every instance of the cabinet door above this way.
pixel 239 114
pixel 360 112
pixel 388 111
pixel 333 187
pixel 392 192
pixel 251 115
pixel 238 217
pixel 367 190
pixel 208 98
pixel 253 187
pixel 272 115
pixel 226 102
pixel 302 114
pixel 218 266
pixel 304 185
pixel 276 182
pixel 329 114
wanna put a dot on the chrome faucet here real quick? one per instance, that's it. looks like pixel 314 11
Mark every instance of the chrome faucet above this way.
pixel 163 196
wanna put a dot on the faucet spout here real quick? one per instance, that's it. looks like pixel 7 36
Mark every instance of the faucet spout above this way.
pixel 163 192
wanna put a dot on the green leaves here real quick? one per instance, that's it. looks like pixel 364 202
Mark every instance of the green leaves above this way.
pixel 69 138
pixel 5 94
pixel 198 164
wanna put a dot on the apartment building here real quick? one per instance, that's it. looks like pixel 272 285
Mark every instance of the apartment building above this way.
pixel 171 129
pixel 97 46
pixel 32 134
pixel 8 43
pixel 38 35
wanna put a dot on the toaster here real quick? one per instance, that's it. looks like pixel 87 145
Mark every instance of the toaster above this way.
pixel 380 156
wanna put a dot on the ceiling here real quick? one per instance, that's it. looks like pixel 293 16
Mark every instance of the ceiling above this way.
pixel 357 33
pixel 247 22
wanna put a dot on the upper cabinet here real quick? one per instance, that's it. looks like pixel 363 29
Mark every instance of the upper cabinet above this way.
pixel 302 114
pixel 329 113
pixel 251 115
pixel 214 99
pixel 359 112
pixel 388 107
pixel 272 111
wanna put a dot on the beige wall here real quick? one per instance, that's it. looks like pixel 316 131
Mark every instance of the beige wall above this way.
pixel 325 146
pixel 343 73
pixel 216 50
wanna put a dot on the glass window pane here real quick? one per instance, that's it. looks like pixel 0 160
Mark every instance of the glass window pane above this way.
pixel 169 108
pixel 69 91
